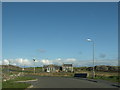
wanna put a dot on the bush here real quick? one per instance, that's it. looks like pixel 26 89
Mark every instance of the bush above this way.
pixel 113 68
pixel 101 68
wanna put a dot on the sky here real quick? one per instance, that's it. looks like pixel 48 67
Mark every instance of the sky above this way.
pixel 56 33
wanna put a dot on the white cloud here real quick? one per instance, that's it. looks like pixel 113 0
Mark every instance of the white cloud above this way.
pixel 107 62
pixel 5 62
pixel 0 62
pixel 14 64
pixel 58 59
pixel 46 62
pixel 18 62
pixel 71 60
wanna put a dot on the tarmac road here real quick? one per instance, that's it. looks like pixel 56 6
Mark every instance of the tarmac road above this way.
pixel 64 82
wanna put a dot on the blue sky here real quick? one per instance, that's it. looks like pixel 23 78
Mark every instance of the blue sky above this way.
pixel 59 30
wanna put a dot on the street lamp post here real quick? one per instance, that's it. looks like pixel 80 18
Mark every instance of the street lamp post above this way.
pixel 93 73
pixel 34 65
pixel 22 67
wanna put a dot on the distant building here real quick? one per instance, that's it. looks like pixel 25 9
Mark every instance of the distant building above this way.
pixel 51 68
pixel 56 68
pixel 67 68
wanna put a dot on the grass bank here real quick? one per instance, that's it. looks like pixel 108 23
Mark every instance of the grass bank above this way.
pixel 109 78
pixel 12 84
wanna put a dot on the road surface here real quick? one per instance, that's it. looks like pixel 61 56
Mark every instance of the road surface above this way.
pixel 65 82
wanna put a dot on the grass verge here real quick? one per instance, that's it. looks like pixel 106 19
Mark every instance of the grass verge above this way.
pixel 13 84
pixel 108 78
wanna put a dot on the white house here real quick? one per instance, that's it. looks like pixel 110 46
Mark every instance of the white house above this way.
pixel 67 68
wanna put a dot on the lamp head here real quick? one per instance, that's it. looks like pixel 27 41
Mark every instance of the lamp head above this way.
pixel 89 40
pixel 34 59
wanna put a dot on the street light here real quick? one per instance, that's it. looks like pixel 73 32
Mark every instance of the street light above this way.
pixel 34 65
pixel 22 67
pixel 89 40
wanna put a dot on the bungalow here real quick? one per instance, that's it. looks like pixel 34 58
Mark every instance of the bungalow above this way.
pixel 51 68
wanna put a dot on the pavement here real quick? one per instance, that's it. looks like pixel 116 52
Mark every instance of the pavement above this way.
pixel 65 82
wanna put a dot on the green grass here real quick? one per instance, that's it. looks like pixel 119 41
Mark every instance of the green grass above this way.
pixel 23 78
pixel 109 78
pixel 12 84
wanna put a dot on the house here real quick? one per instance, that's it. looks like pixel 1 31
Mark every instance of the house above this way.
pixel 56 68
pixel 67 68
pixel 51 68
